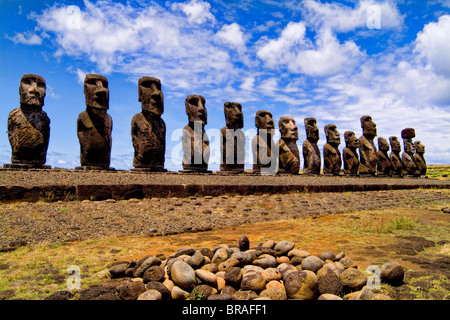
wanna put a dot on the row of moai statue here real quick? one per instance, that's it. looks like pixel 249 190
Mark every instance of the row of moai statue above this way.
pixel 29 132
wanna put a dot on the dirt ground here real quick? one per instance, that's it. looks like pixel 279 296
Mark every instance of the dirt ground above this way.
pixel 407 226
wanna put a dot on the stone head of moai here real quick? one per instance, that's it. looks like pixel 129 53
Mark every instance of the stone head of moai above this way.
pixel 288 128
pixel 407 135
pixel 351 141
pixel 264 121
pixel 332 134
pixel 150 96
pixel 395 144
pixel 369 127
pixel 32 92
pixel 312 131
pixel 196 109
pixel 234 117
pixel 383 145
pixel 96 92
pixel 419 147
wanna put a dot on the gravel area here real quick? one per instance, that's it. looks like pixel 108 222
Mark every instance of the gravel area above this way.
pixel 24 223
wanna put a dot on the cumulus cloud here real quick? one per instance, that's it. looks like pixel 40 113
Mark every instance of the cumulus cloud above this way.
pixel 341 18
pixel 27 37
pixel 196 11
pixel 232 35
pixel 165 42
pixel 433 45
pixel 324 57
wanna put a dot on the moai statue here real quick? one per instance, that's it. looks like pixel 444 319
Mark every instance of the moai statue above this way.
pixel 409 166
pixel 94 125
pixel 288 154
pixel 29 126
pixel 263 146
pixel 311 153
pixel 148 130
pixel 195 140
pixel 384 165
pixel 350 154
pixel 232 151
pixel 331 154
pixel 367 149
pixel 419 158
pixel 394 156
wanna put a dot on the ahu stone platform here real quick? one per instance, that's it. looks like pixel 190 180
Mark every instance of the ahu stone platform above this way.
pixel 58 184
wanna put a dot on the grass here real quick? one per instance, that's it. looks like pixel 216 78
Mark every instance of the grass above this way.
pixel 384 223
pixel 441 172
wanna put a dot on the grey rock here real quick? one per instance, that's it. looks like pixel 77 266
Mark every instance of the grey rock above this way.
pixel 392 273
pixel 154 273
pixel 244 243
pixel 150 295
pixel 144 264
pixel 183 275
pixel 283 247
pixel 312 263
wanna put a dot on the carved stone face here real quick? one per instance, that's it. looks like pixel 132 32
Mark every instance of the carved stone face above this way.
pixel 96 92
pixel 383 145
pixel 420 148
pixel 312 131
pixel 264 120
pixel 408 146
pixel 351 140
pixel 333 136
pixel 151 96
pixel 233 115
pixel 32 90
pixel 369 127
pixel 195 109
pixel 288 128
pixel 395 144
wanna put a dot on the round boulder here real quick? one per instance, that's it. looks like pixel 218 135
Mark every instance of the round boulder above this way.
pixel 301 285
pixel 312 263
pixel 283 247
pixel 183 275
pixel 392 273
pixel 253 281
pixel 353 279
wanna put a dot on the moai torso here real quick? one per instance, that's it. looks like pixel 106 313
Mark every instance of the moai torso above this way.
pixel 195 140
pixel 384 165
pixel 29 125
pixel 232 138
pixel 350 153
pixel 367 150
pixel 94 125
pixel 331 154
pixel 148 130
pixel 263 146
pixel 311 153
pixel 395 157
pixel 288 154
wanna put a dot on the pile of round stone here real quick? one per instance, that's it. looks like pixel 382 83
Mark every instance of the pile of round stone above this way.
pixel 270 271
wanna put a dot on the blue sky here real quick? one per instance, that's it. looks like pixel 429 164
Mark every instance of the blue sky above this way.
pixel 334 61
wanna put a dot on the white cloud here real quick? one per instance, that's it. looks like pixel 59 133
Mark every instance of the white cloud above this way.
pixel 433 44
pixel 196 11
pixel 163 42
pixel 232 35
pixel 281 50
pixel 341 18
pixel 27 37
pixel 327 56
